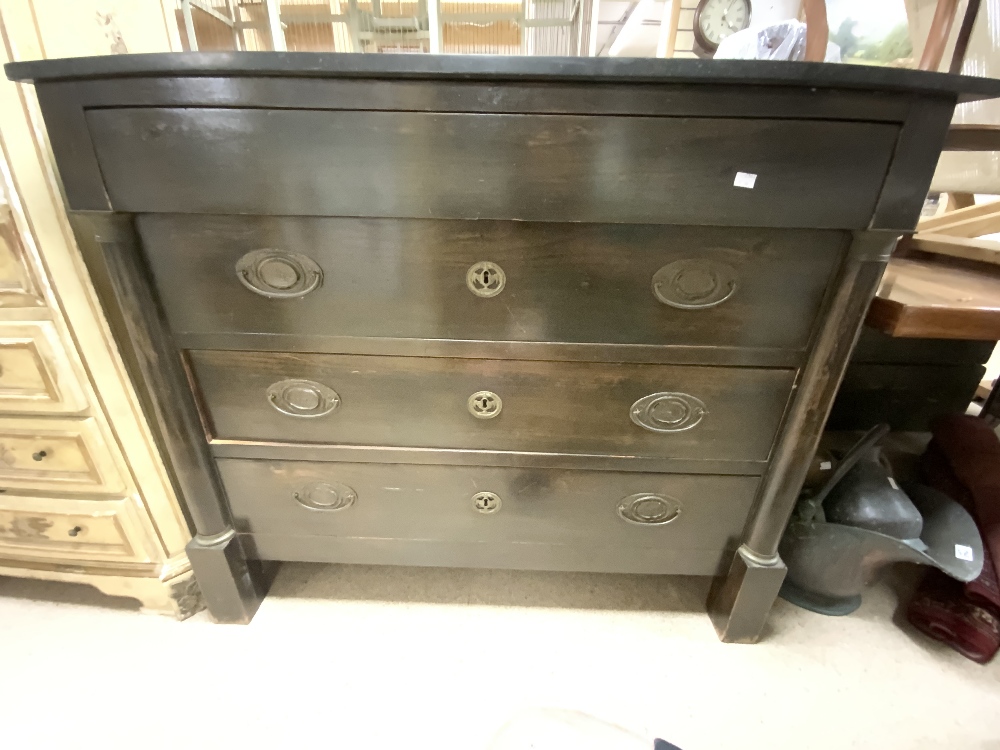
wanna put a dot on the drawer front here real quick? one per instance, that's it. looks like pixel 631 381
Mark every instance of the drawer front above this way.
pixel 56 454
pixel 424 279
pixel 68 530
pixel 17 283
pixel 494 405
pixel 660 170
pixel 35 372
pixel 640 522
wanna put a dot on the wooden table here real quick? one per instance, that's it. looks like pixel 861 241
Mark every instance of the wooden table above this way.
pixel 921 297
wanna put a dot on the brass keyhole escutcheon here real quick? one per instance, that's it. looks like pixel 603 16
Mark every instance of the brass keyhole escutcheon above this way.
pixel 485 404
pixel 486 502
pixel 485 279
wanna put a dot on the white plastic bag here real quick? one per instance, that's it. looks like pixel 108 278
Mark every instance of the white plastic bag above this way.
pixel 781 41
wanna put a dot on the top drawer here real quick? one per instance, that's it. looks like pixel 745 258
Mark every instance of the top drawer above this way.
pixel 660 170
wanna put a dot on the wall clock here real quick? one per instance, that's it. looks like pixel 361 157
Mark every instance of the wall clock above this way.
pixel 714 20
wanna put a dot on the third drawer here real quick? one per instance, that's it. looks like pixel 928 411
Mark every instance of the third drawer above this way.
pixel 660 411
pixel 485 516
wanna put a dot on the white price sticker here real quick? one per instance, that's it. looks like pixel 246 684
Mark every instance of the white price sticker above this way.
pixel 825 465
pixel 963 553
pixel 893 483
pixel 745 180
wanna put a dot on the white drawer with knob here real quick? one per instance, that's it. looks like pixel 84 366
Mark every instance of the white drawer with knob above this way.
pixel 18 287
pixel 59 529
pixel 35 370
pixel 64 455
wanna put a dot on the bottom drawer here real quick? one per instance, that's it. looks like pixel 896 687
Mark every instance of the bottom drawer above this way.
pixel 69 530
pixel 501 517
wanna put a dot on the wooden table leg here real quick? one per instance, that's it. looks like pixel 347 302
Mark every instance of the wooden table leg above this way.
pixel 817 30
pixel 937 37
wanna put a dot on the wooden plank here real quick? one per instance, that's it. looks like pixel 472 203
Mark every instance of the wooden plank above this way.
pixel 973 138
pixel 932 300
pixel 974 227
pixel 973 221
pixel 984 251
pixel 956 201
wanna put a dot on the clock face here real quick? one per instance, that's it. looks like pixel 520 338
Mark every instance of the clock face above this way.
pixel 718 19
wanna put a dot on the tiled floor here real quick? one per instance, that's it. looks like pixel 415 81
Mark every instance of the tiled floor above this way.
pixel 363 657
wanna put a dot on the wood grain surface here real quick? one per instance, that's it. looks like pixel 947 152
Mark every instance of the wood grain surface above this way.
pixel 551 407
pixel 816 174
pixel 569 283
pixel 925 299
pixel 558 515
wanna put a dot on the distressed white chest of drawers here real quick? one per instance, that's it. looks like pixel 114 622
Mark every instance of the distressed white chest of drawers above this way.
pixel 558 314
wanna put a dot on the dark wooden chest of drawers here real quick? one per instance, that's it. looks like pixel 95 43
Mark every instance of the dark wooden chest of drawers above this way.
pixel 548 314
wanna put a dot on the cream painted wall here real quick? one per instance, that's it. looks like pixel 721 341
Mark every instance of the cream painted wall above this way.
pixel 78 28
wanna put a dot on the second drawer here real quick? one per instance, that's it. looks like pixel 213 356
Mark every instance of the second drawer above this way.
pixel 312 284
pixel 709 413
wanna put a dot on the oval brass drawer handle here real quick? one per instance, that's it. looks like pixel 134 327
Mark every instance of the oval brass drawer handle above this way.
pixel 278 274
pixel 668 412
pixel 648 509
pixel 485 404
pixel 302 398
pixel 328 496
pixel 694 283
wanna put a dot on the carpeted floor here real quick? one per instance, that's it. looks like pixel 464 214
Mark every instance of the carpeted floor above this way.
pixel 364 657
